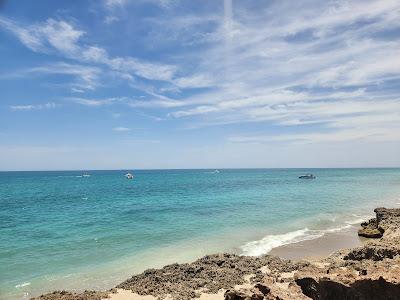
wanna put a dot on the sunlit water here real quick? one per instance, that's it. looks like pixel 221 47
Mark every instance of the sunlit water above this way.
pixel 59 230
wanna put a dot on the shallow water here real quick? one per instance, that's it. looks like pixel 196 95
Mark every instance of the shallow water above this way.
pixel 61 230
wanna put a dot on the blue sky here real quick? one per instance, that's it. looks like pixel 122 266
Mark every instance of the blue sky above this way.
pixel 121 84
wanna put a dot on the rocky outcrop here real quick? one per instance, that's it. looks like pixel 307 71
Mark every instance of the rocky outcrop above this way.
pixel 371 229
pixel 64 295
pixel 371 232
pixel 371 271
pixel 364 289
pixel 372 252
pixel 210 273
pixel 258 292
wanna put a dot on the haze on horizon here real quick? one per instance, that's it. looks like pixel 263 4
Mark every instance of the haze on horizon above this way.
pixel 120 84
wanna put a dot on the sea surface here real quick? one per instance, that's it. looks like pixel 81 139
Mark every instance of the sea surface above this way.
pixel 60 230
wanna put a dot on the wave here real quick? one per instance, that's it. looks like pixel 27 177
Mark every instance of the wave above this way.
pixel 359 219
pixel 266 244
pixel 269 242
pixel 22 285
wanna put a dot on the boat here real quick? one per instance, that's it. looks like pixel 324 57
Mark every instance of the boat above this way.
pixel 216 171
pixel 129 176
pixel 307 176
pixel 85 175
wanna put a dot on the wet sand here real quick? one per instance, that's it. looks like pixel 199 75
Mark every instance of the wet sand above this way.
pixel 320 247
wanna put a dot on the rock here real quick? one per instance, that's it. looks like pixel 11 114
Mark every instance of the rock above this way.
pixel 361 289
pixel 372 252
pixel 371 232
pixel 242 295
pixel 262 288
pixel 386 213
pixel 64 295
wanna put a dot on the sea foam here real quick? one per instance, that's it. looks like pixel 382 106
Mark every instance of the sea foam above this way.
pixel 266 244
pixel 22 285
pixel 269 242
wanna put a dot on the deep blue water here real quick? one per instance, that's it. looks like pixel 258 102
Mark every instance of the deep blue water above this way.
pixel 61 230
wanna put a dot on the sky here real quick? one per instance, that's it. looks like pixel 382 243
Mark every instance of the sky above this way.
pixel 153 84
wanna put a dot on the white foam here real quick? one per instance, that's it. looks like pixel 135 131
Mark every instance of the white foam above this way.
pixel 356 221
pixel 336 229
pixel 265 245
pixel 22 285
pixel 359 219
pixel 269 242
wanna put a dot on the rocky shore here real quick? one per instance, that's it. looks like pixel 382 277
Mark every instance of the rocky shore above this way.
pixel 371 271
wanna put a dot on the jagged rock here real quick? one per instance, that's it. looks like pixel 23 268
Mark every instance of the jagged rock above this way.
pixel 262 288
pixel 386 213
pixel 371 228
pixel 212 272
pixel 243 295
pixel 371 232
pixel 359 290
pixel 64 295
pixel 372 252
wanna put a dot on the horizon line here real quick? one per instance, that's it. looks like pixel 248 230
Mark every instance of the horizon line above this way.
pixel 213 168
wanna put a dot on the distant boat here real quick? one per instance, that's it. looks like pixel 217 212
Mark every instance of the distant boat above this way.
pixel 307 176
pixel 216 171
pixel 85 175
pixel 129 176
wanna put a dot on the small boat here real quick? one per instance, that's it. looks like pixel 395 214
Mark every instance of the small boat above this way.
pixel 85 175
pixel 129 176
pixel 307 176
pixel 216 171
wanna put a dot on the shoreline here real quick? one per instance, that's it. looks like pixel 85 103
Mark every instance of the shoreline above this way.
pixel 114 272
pixel 221 275
pixel 320 247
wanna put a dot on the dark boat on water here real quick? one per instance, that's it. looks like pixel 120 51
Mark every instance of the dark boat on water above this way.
pixel 307 176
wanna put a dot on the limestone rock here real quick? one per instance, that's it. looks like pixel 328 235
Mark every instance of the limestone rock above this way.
pixel 371 232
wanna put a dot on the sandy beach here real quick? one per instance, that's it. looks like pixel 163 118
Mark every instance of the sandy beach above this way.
pixel 339 265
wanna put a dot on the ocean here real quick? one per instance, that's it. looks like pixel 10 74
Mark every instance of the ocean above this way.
pixel 60 230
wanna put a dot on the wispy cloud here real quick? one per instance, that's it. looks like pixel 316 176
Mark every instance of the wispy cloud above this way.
pixel 27 107
pixel 121 129
pixel 327 67
pixel 59 35
pixel 86 77
pixel 63 38
pixel 327 64
pixel 95 102
pixel 344 135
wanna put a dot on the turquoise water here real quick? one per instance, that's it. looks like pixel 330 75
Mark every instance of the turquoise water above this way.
pixel 61 230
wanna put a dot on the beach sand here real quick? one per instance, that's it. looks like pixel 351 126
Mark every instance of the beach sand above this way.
pixel 128 295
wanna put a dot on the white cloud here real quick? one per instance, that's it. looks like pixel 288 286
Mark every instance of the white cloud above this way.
pixel 121 129
pixel 322 64
pixel 38 37
pixel 87 77
pixel 27 107
pixel 65 39
pixel 95 102
pixel 345 135
pixel 114 3
pixel 325 65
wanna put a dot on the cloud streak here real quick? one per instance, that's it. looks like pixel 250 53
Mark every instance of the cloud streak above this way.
pixel 28 107
pixel 65 39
